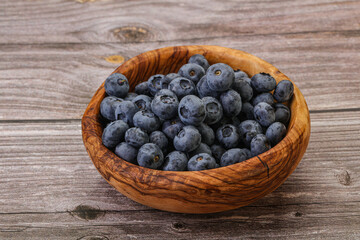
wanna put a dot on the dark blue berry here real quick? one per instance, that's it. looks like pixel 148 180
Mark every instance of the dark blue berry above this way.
pixel 231 103
pixel 202 161
pixel 154 83
pixel 217 151
pixel 247 111
pixel 191 110
pixel 207 134
pixel 192 71
pixel 240 74
pixel 248 153
pixel 200 60
pixel 282 113
pixel 263 97
pixel 125 111
pixel 142 88
pixel 117 85
pixel 108 106
pixel 220 77
pixel 259 144
pixel 284 91
pixel 249 129
pixel 203 148
pixel 172 127
pixel 146 120
pixel 126 152
pixel 136 137
pixel 232 156
pixel 167 79
pixel 182 86
pixel 228 136
pixel 264 114
pixel 223 121
pixel 143 102
pixel 214 110
pixel 159 139
pixel 204 90
pixel 276 132
pixel 245 90
pixel 175 161
pixel 263 82
pixel 165 106
pixel 165 92
pixel 114 133
pixel 150 156
pixel 188 139
pixel 130 96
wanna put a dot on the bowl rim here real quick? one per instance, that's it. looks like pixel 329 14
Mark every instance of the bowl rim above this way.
pixel 258 164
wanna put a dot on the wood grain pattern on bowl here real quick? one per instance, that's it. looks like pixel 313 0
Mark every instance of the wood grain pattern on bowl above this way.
pixel 206 191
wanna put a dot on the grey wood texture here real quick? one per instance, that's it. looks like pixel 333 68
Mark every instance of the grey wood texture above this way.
pixel 55 54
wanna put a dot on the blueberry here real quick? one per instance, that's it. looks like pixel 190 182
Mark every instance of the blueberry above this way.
pixel 182 87
pixel 223 121
pixel 201 161
pixel 143 102
pixel 142 89
pixel 282 113
pixel 240 74
pixel 263 97
pixel 200 60
pixel 172 127
pixel 207 134
pixel 165 92
pixel 130 96
pixel 126 152
pixel 114 133
pixel 247 111
pixel 232 156
pixel 146 120
pixel 125 111
pixel 243 88
pixel 204 90
pixel 136 137
pixel 259 144
pixel 150 156
pixel 228 136
pixel 188 139
pixel 154 83
pixel 276 132
pixel 203 148
pixel 167 79
pixel 108 106
pixel 220 77
pixel 231 103
pixel 217 151
pixel 214 110
pixel 192 71
pixel 165 106
pixel 159 139
pixel 284 91
pixel 249 129
pixel 191 110
pixel 175 161
pixel 117 85
pixel 248 153
pixel 263 82
pixel 264 114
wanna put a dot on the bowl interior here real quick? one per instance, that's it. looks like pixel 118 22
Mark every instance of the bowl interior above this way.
pixel 202 191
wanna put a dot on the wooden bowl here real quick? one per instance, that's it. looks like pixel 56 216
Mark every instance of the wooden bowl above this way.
pixel 205 191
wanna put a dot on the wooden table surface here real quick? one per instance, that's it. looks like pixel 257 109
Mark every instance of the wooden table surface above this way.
pixel 55 54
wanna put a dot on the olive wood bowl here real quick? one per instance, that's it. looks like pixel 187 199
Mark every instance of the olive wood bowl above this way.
pixel 204 191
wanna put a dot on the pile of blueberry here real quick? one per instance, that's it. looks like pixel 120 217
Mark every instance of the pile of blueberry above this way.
pixel 202 117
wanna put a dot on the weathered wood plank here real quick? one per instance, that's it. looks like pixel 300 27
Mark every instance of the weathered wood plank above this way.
pixel 143 21
pixel 48 181
pixel 57 81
